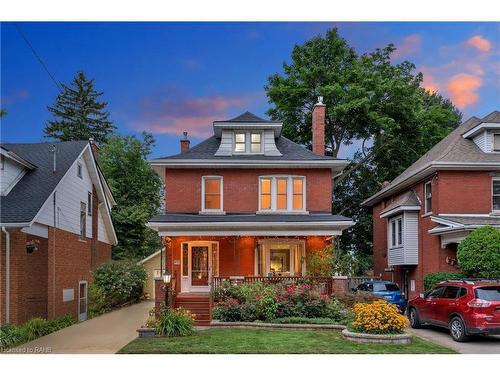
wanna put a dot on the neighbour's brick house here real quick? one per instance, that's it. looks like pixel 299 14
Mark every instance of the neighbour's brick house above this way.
pixel 246 202
pixel 423 214
pixel 56 227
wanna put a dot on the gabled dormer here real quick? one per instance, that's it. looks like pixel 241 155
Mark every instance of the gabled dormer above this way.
pixel 12 169
pixel 486 134
pixel 247 134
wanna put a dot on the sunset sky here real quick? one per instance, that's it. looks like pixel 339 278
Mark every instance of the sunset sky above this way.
pixel 169 77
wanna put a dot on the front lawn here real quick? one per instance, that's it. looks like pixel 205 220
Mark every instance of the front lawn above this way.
pixel 271 341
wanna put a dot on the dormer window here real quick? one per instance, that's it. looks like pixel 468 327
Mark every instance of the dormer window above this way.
pixel 239 142
pixel 247 142
pixel 496 141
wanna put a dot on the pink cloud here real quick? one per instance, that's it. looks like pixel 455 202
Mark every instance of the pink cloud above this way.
pixel 173 113
pixel 482 44
pixel 15 97
pixel 429 82
pixel 462 89
pixel 410 45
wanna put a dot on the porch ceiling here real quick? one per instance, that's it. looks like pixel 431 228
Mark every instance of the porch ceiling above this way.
pixel 250 224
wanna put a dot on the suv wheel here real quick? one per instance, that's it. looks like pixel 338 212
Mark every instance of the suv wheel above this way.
pixel 413 317
pixel 457 330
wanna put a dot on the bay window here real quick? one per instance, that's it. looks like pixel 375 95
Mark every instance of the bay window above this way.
pixel 282 193
pixel 212 193
pixel 396 232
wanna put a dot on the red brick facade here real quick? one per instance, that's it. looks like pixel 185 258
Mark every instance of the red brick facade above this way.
pixel 453 192
pixel 37 280
pixel 241 188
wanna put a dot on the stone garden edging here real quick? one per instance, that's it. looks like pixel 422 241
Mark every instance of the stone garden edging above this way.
pixel 398 339
pixel 217 323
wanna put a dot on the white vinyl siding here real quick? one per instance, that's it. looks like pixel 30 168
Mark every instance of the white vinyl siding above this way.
pixel 102 233
pixel 11 173
pixel 405 252
pixel 485 140
pixel 71 191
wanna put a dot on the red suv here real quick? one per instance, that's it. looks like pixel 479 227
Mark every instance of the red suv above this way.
pixel 466 307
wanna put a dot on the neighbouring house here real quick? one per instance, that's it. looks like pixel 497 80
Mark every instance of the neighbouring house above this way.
pixel 245 203
pixel 56 227
pixel 424 213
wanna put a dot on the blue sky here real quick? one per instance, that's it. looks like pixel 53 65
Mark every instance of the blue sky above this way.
pixel 170 77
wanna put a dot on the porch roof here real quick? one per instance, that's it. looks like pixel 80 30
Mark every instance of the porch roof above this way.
pixel 250 224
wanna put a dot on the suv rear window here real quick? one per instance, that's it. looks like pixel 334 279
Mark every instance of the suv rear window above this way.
pixel 385 287
pixel 488 293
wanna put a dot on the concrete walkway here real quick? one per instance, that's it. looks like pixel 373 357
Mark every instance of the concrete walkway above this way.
pixel 105 334
pixel 476 345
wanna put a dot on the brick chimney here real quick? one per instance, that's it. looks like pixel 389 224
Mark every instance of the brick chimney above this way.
pixel 318 127
pixel 95 148
pixel 184 143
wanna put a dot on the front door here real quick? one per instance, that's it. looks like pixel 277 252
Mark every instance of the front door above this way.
pixel 199 263
pixel 82 300
pixel 199 266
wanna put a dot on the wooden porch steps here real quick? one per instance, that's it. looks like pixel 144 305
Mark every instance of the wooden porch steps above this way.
pixel 198 304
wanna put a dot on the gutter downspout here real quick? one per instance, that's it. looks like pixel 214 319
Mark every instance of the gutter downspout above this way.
pixel 7 275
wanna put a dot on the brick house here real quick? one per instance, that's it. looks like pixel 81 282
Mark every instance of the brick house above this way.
pixel 424 213
pixel 245 203
pixel 56 227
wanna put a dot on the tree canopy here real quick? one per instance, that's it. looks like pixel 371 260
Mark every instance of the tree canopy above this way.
pixel 136 188
pixel 371 103
pixel 78 113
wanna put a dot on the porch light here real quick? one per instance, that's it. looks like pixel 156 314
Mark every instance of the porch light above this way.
pixel 166 277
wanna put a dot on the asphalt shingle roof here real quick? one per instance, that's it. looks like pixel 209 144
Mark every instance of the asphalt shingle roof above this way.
pixel 27 197
pixel 407 199
pixel 452 148
pixel 472 220
pixel 289 150
pixel 247 117
pixel 250 218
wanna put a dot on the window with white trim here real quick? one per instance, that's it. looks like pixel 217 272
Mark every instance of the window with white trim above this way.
pixel 496 194
pixel 79 170
pixel 212 193
pixel 89 203
pixel 83 220
pixel 496 141
pixel 247 142
pixel 428 197
pixel 396 232
pixel 282 193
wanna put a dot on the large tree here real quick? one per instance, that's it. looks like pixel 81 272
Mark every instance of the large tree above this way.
pixel 136 188
pixel 78 113
pixel 370 101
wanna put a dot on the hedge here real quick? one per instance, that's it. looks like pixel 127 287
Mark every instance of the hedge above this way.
pixel 432 279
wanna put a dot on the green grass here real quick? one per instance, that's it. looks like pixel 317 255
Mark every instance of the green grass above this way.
pixel 271 341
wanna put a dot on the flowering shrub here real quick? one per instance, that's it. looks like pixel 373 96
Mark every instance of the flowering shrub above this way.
pixel 256 301
pixel 174 322
pixel 378 317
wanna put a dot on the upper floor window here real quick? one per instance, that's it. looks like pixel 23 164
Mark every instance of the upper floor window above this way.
pixel 428 197
pixel 79 170
pixel 282 193
pixel 89 203
pixel 496 141
pixel 248 142
pixel 212 193
pixel 496 194
pixel 83 220
pixel 396 231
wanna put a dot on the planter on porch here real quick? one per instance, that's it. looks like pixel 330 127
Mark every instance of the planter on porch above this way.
pixel 400 339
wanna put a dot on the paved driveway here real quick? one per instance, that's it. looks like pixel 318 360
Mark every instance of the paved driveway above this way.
pixel 105 334
pixel 477 344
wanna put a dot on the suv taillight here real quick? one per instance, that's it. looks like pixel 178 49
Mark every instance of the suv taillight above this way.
pixel 476 302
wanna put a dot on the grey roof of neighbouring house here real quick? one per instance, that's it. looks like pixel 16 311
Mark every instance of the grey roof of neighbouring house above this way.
pixel 453 148
pixel 247 218
pixel 472 220
pixel 27 197
pixel 289 150
pixel 407 199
